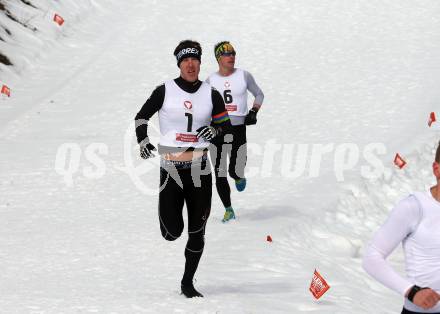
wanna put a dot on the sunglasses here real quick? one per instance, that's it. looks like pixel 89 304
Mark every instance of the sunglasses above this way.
pixel 227 54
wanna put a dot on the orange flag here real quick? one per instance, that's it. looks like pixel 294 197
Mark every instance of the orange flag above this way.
pixel 399 162
pixel 58 19
pixel 318 286
pixel 6 91
pixel 431 119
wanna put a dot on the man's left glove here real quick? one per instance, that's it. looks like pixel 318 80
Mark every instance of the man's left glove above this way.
pixel 206 132
pixel 146 149
pixel 251 117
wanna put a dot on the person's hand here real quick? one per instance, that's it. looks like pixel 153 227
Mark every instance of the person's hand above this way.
pixel 206 132
pixel 251 117
pixel 426 298
pixel 146 149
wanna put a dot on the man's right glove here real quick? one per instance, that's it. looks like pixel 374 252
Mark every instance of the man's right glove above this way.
pixel 251 117
pixel 206 132
pixel 146 149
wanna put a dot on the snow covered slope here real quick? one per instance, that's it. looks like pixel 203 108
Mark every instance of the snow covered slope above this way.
pixel 338 76
pixel 28 30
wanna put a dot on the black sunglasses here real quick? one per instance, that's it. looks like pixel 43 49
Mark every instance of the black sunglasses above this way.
pixel 227 54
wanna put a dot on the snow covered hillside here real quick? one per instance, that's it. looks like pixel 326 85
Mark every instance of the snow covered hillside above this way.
pixel 28 29
pixel 344 81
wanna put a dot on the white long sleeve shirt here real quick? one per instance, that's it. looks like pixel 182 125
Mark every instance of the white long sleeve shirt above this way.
pixel 414 222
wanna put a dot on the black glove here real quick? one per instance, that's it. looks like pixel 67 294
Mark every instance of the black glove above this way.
pixel 251 117
pixel 146 149
pixel 206 132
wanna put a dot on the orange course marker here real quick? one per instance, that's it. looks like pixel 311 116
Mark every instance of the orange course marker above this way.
pixel 318 286
pixel 431 119
pixel 399 162
pixel 58 19
pixel 6 90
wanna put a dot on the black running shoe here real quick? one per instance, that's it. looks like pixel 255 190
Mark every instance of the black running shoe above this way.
pixel 190 292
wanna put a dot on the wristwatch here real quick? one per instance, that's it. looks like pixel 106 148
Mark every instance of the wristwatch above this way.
pixel 412 292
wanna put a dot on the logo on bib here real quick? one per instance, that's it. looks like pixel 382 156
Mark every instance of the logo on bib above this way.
pixel 187 104
pixel 227 85
pixel 187 137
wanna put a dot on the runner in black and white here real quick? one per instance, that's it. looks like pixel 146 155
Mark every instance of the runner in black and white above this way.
pixel 233 84
pixel 414 222
pixel 191 114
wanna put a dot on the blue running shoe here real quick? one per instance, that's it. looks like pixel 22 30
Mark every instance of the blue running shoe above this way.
pixel 240 184
pixel 229 214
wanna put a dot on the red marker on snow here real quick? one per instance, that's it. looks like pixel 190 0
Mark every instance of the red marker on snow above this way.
pixel 399 162
pixel 431 119
pixel 269 238
pixel 58 19
pixel 6 91
pixel 318 286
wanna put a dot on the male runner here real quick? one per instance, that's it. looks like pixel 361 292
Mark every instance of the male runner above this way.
pixel 191 113
pixel 233 84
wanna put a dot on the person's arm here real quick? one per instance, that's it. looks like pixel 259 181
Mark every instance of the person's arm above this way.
pixel 401 222
pixel 255 91
pixel 220 117
pixel 151 106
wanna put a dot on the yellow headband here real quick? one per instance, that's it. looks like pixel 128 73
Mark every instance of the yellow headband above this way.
pixel 226 47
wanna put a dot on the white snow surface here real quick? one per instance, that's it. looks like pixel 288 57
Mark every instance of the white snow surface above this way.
pixel 340 74
pixel 30 30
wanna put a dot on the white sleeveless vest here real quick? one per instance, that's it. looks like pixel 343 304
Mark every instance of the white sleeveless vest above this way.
pixel 233 89
pixel 182 114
